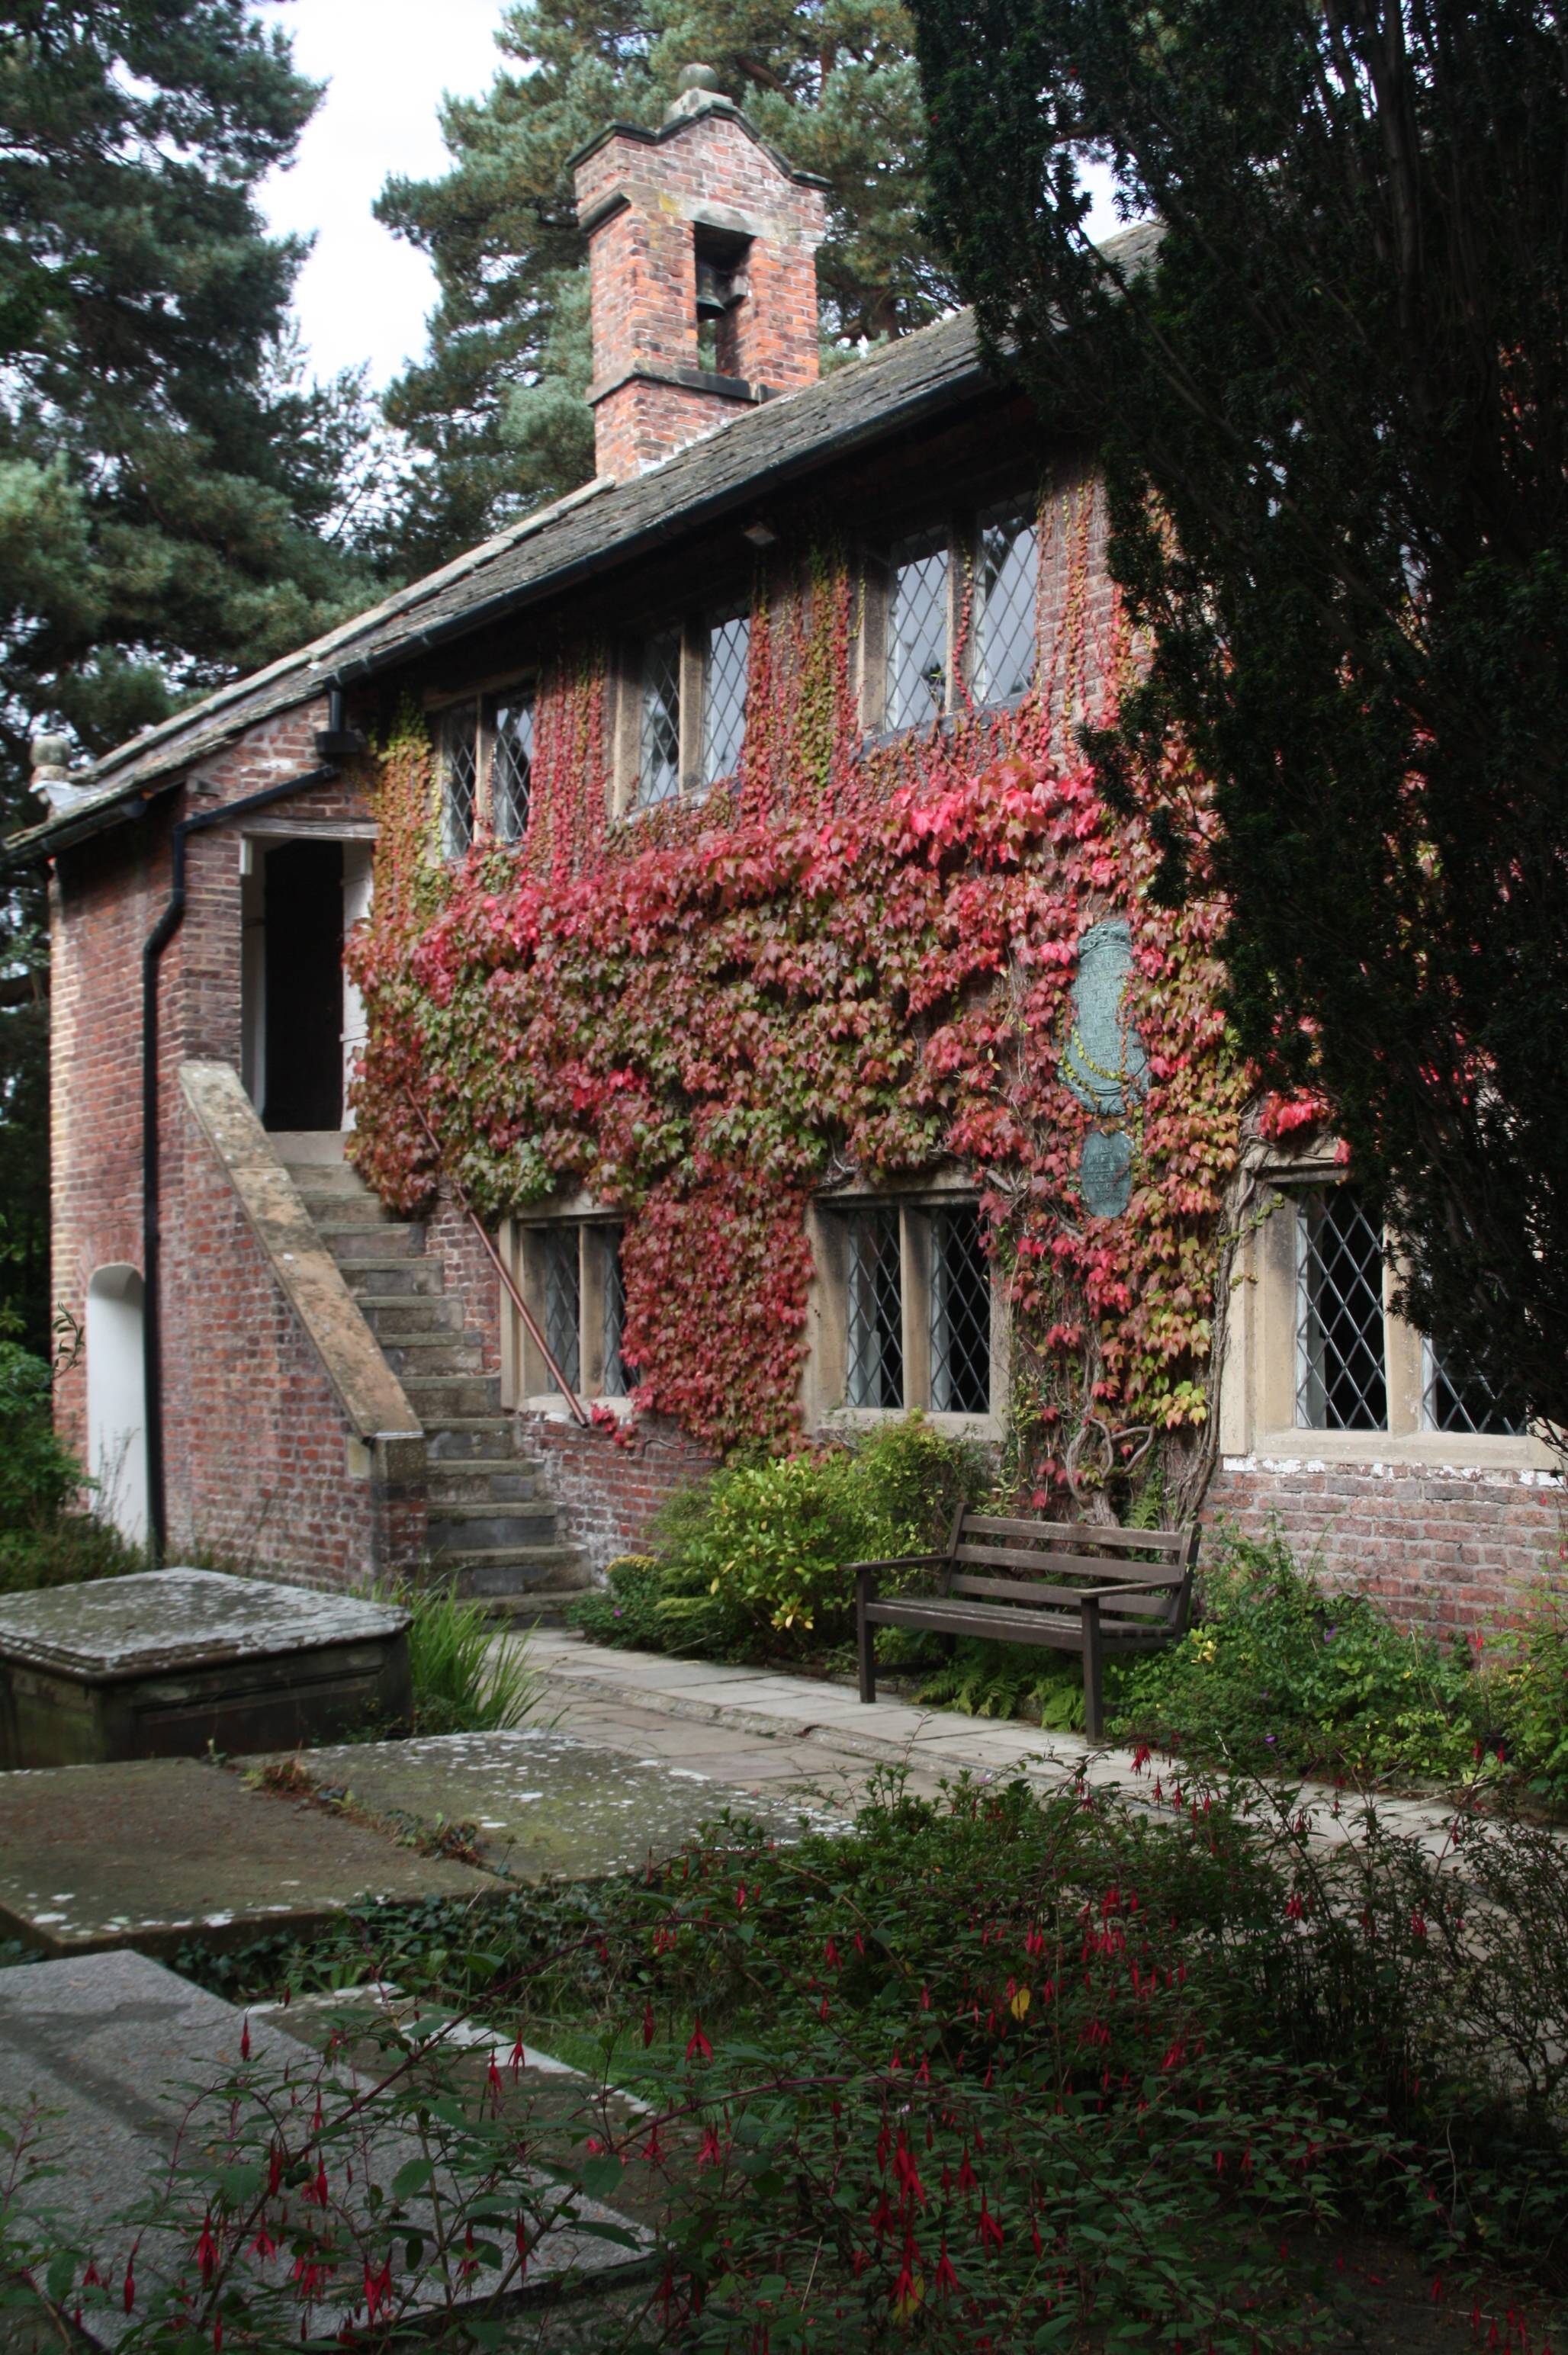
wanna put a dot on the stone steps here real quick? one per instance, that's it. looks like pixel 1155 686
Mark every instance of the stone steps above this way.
pixel 417 1356
pixel 390 1314
pixel 366 1239
pixel 507 1478
pixel 492 1530
pixel 403 1278
pixel 447 1394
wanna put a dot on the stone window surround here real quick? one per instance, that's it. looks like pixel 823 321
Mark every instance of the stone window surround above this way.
pixel 626 729
pixel 870 591
pixel 1257 1393
pixel 872 594
pixel 525 1380
pixel 826 1375
pixel 486 694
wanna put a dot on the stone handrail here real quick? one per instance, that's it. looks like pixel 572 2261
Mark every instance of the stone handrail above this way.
pixel 369 1393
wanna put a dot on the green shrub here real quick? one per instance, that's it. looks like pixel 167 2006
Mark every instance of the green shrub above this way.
pixel 466 1679
pixel 1523 1684
pixel 625 1611
pixel 1277 1671
pixel 986 1680
pixel 753 1560
pixel 42 1542
pixel 38 1475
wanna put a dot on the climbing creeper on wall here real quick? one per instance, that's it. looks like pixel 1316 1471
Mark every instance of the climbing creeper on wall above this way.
pixel 846 958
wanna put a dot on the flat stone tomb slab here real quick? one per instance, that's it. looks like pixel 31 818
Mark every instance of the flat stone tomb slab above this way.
pixel 155 1851
pixel 170 1662
pixel 541 1803
pixel 117 2059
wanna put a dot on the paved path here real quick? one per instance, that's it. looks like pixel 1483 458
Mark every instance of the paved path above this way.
pixel 753 1727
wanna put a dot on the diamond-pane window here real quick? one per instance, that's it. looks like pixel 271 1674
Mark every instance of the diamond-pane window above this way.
pixel 1340 1383
pixel 876 1349
pixel 658 773
pixel 563 1301
pixel 511 768
pixel 917 632
pixel 1006 593
pixel 1467 1403
pixel 459 753
pixel 619 1379
pixel 960 1315
pixel 724 698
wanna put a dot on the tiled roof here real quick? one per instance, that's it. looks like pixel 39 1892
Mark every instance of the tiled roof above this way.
pixel 592 531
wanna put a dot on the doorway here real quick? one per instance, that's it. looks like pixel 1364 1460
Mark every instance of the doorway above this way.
pixel 116 1400
pixel 301 1074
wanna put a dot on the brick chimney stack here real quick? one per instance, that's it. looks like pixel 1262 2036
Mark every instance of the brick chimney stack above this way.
pixel 702 249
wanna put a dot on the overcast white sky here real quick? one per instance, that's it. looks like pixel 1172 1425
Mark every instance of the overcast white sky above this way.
pixel 364 294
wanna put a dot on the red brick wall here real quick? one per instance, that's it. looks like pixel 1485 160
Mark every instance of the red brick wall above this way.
pixel 643 423
pixel 643 264
pixel 1439 1547
pixel 104 899
pixel 468 1275
pixel 606 1496
pixel 106 895
pixel 257 1443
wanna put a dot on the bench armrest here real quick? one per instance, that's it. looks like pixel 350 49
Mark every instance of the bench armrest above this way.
pixel 895 1561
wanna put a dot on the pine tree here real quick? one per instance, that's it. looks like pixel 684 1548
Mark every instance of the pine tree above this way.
pixel 171 492
pixel 497 407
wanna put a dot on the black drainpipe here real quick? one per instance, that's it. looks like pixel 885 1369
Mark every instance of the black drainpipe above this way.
pixel 156 942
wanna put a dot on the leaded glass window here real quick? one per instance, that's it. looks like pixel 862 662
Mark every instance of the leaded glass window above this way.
pixel 619 1379
pixel 1467 1403
pixel 563 1300
pixel 511 768
pixel 917 631
pixel 724 698
pixel 1341 1381
pixel 1006 588
pixel 658 771
pixel 876 1352
pixel 960 1315
pixel 458 747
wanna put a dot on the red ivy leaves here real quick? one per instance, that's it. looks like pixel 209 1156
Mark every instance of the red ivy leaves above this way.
pixel 832 965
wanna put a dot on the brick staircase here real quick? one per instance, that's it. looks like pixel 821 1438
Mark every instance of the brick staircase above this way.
pixel 493 1531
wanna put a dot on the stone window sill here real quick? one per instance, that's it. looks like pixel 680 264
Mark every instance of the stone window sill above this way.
pixel 1415 1451
pixel 954 1426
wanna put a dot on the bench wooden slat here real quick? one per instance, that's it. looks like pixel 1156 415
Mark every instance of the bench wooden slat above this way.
pixel 998 1625
pixel 1030 1595
pixel 1080 1564
pixel 1167 1541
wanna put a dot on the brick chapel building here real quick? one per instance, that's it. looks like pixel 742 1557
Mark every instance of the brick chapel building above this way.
pixel 278 1369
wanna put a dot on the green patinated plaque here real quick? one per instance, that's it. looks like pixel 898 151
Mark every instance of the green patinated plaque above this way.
pixel 1105 1172
pixel 1105 1064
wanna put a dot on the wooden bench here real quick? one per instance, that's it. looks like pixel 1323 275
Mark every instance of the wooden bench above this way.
pixel 1006 1580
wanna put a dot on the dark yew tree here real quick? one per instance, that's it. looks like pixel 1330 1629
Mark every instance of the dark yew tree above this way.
pixel 1330 408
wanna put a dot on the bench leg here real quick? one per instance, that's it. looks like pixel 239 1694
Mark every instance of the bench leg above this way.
pixel 866 1638
pixel 1093 1680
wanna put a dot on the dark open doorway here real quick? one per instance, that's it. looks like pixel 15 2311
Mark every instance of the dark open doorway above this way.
pixel 304 986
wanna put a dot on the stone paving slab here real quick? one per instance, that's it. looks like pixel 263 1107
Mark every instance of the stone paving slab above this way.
pixel 829 1733
pixel 543 1802
pixel 151 1852
pixel 115 2056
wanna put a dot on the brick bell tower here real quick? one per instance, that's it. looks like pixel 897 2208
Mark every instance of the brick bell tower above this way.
pixel 702 250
